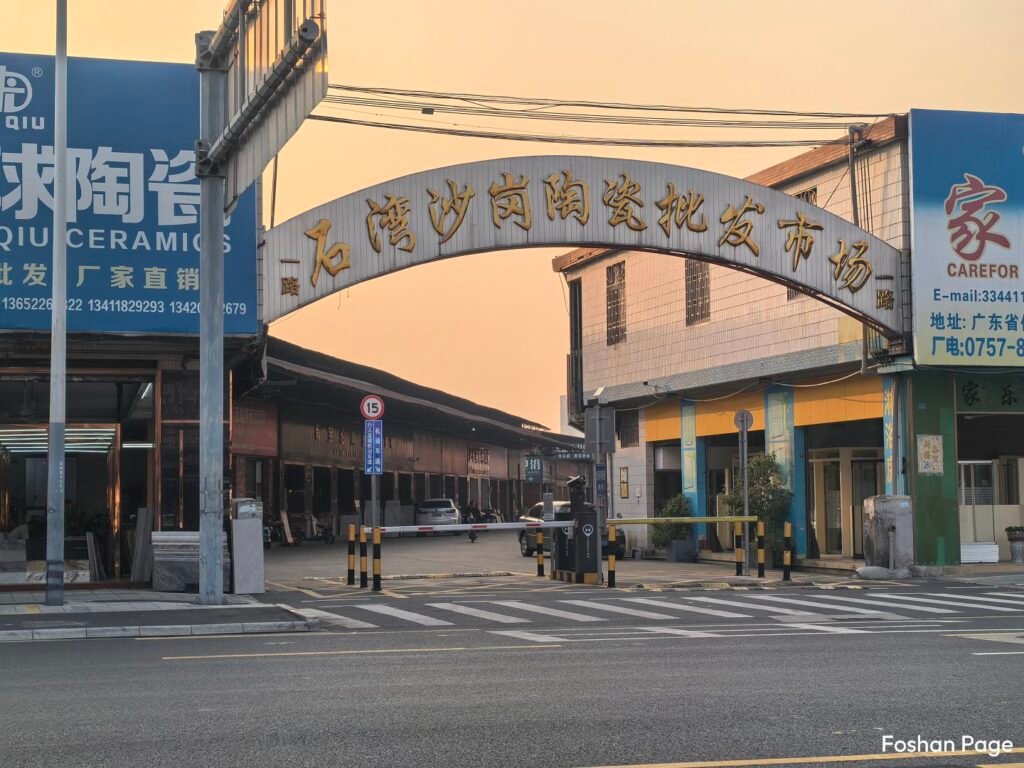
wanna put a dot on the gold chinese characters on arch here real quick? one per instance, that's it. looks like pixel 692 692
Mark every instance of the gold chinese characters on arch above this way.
pixel 562 201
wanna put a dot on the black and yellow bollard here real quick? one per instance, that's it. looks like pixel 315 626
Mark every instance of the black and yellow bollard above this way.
pixel 760 549
pixel 738 545
pixel 351 578
pixel 362 557
pixel 611 555
pixel 376 559
pixel 540 553
pixel 787 551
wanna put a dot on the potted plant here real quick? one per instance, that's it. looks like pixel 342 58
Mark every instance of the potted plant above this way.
pixel 769 501
pixel 675 538
pixel 1015 533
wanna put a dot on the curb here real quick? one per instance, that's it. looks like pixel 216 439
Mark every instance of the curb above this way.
pixel 166 630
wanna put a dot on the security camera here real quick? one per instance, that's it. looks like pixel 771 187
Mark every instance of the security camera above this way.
pixel 577 483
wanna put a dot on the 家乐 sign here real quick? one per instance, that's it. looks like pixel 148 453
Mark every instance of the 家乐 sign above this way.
pixel 967 223
pixel 373 447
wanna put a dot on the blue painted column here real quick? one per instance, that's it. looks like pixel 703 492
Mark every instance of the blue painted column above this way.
pixel 894 433
pixel 787 443
pixel 692 463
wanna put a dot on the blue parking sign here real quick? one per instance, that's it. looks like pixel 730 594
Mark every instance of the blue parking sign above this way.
pixel 373 447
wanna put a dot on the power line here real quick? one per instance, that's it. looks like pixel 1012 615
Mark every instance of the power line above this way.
pixel 541 102
pixel 566 139
pixel 426 107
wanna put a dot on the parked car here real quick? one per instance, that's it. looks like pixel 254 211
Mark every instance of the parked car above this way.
pixel 528 537
pixel 438 512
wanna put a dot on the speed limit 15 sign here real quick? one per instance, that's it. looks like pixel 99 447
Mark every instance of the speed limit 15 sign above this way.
pixel 372 407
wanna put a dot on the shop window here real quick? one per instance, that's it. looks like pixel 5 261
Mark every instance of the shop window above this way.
pixel 615 300
pixel 627 428
pixel 698 292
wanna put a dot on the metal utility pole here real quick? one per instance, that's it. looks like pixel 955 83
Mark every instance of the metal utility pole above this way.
pixel 58 324
pixel 212 121
pixel 235 144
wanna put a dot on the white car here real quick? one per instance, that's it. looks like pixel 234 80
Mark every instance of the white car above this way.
pixel 438 512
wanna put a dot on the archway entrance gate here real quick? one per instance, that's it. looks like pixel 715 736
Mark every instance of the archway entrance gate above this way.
pixel 570 201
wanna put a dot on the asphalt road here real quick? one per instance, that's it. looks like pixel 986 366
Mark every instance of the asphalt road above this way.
pixel 570 692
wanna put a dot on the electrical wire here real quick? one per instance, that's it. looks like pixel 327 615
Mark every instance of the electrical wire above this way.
pixel 565 139
pixel 484 111
pixel 582 104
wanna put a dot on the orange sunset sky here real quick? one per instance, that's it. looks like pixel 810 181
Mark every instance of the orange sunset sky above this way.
pixel 494 327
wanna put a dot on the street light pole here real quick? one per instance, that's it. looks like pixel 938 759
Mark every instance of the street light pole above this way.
pixel 58 324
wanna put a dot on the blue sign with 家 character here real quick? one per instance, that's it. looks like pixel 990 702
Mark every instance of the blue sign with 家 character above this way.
pixel 133 201
pixel 373 447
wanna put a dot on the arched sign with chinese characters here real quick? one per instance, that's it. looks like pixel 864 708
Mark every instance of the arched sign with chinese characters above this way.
pixel 569 201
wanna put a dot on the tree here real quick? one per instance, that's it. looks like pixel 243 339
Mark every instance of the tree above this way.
pixel 677 506
pixel 769 499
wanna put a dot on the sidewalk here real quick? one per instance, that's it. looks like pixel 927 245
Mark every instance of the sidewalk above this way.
pixel 24 616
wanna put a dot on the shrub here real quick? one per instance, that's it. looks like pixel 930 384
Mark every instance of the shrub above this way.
pixel 677 506
pixel 769 499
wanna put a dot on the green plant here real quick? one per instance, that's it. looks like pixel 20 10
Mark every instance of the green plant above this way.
pixel 769 500
pixel 1015 530
pixel 662 534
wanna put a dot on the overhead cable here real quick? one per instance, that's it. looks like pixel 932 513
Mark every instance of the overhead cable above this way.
pixel 520 100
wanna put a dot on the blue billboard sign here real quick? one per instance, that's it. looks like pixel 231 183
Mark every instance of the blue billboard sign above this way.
pixel 133 201
pixel 373 447
pixel 967 225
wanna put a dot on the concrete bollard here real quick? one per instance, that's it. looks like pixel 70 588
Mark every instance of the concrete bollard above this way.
pixel 350 579
pixel 611 556
pixel 760 549
pixel 362 557
pixel 787 551
pixel 738 545
pixel 376 559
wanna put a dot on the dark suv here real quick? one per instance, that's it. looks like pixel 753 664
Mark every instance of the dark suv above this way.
pixel 528 537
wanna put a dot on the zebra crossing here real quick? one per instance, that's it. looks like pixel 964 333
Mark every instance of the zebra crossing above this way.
pixel 805 610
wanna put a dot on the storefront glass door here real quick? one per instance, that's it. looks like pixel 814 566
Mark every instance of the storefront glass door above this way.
pixel 833 509
pixel 865 484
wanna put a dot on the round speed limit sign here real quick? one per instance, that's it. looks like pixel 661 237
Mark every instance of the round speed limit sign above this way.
pixel 372 407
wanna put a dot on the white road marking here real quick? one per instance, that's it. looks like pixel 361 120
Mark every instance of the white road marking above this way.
pixel 546 611
pixel 833 629
pixel 468 611
pixel 748 606
pixel 690 608
pixel 1017 595
pixel 532 637
pixel 869 602
pixel 620 609
pixel 793 601
pixel 415 618
pixel 333 618
pixel 948 603
pixel 1017 603
pixel 680 632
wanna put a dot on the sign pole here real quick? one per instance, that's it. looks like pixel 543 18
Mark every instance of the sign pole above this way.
pixel 211 336
pixel 374 496
pixel 58 325
pixel 744 420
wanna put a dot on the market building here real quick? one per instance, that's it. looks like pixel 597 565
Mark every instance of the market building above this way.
pixel 678 346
